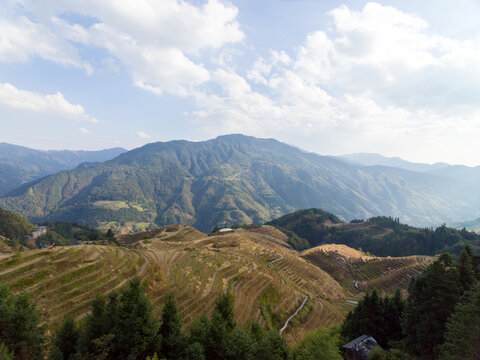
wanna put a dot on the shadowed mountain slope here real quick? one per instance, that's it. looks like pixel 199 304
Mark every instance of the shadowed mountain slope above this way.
pixel 19 164
pixel 235 179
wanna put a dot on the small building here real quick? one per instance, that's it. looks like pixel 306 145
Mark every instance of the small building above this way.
pixel 360 348
pixel 225 230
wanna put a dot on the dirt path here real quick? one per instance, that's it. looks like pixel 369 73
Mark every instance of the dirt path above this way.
pixel 293 315
pixel 274 261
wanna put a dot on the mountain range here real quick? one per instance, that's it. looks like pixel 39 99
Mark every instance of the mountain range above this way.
pixel 19 164
pixel 236 179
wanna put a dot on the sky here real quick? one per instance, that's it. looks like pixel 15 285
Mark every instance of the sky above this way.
pixel 399 78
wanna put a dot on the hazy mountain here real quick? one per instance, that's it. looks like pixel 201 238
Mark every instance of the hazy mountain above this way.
pixel 465 174
pixel 236 179
pixel 19 164
pixel 370 159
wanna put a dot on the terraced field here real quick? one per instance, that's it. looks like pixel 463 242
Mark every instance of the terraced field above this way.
pixel 359 273
pixel 268 278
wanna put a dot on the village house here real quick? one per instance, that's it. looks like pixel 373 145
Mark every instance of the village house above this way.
pixel 360 348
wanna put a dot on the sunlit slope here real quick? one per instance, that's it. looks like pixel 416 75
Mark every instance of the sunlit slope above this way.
pixel 65 280
pixel 230 180
pixel 359 273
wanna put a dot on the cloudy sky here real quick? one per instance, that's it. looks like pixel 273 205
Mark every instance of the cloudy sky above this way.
pixel 401 78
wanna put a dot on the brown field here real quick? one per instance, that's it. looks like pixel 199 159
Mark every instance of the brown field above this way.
pixel 359 273
pixel 268 278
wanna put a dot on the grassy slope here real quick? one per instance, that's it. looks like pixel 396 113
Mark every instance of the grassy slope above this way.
pixel 195 267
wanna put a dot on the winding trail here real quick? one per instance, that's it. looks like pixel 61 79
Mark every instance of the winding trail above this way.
pixel 293 315
pixel 274 261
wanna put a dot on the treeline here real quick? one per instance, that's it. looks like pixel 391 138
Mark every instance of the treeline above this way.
pixel 68 233
pixel 122 326
pixel 381 236
pixel 440 319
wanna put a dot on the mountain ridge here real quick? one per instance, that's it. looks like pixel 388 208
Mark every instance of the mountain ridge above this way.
pixel 20 164
pixel 235 179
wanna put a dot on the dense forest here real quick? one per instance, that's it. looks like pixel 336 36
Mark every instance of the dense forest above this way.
pixel 381 236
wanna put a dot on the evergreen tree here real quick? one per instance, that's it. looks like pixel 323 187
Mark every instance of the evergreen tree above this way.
pixel 221 324
pixel 466 274
pixel 65 340
pixel 94 326
pixel 19 325
pixel 136 329
pixel 462 338
pixel 5 354
pixel 432 299
pixel 172 339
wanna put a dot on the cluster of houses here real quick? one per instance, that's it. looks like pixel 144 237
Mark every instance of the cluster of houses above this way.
pixel 39 231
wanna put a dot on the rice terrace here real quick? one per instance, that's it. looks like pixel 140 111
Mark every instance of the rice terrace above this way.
pixel 270 280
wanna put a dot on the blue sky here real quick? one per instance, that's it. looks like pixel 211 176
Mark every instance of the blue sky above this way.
pixel 401 78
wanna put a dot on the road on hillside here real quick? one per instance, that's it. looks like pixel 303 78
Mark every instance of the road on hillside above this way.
pixel 293 315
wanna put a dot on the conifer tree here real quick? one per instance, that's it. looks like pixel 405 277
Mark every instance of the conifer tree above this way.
pixel 462 338
pixel 65 340
pixel 172 339
pixel 20 331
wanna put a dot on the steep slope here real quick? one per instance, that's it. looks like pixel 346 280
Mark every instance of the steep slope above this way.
pixel 19 164
pixel 361 273
pixel 232 180
pixel 197 269
pixel 13 226
pixel 382 236
pixel 268 279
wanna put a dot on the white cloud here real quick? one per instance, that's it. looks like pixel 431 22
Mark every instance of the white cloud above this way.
pixel 21 39
pixel 84 131
pixel 143 135
pixel 376 81
pixel 15 98
pixel 158 41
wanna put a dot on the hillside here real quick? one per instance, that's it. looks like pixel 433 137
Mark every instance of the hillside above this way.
pixel 382 236
pixel 268 278
pixel 13 226
pixel 19 164
pixel 363 273
pixel 233 179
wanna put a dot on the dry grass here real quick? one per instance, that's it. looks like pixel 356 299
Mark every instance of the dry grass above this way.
pixel 197 268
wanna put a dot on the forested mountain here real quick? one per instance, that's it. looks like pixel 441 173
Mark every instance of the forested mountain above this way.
pixel 381 236
pixel 19 164
pixel 235 179
pixel 13 226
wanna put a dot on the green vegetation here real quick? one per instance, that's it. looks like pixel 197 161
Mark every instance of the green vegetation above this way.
pixel 14 227
pixel 20 332
pixel 439 319
pixel 321 344
pixel 123 327
pixel 382 236
pixel 231 180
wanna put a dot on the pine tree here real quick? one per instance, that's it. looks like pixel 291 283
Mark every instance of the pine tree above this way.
pixel 431 301
pixel 19 325
pixel 136 328
pixel 462 338
pixel 173 341
pixel 65 341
